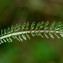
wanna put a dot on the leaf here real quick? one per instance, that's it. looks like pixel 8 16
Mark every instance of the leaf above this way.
pixel 28 36
pixel 23 26
pixel 32 25
pixel 24 37
pixel 45 28
pixel 27 26
pixel 39 29
pixel 51 35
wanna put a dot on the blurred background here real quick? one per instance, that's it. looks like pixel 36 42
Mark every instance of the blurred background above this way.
pixel 37 49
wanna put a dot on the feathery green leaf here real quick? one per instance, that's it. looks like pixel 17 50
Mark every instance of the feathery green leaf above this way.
pixel 40 29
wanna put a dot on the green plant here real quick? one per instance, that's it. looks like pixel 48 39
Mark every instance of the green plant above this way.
pixel 35 29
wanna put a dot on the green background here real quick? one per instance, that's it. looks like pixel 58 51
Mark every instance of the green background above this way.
pixel 37 49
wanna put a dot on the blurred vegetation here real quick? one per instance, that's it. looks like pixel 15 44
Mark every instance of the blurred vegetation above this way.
pixel 37 49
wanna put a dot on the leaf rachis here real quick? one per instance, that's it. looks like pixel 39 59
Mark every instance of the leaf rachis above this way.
pixel 22 33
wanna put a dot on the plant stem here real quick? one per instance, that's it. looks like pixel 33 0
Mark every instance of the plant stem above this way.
pixel 24 32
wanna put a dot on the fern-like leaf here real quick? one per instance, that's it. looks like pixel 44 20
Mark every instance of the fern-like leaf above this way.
pixel 22 32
